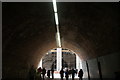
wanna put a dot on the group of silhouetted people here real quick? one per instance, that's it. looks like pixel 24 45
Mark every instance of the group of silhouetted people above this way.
pixel 63 73
pixel 67 73
pixel 40 71
pixel 71 72
pixel 50 72
pixel 43 71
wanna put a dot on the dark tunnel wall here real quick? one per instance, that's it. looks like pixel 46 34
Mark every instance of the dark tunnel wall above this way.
pixel 89 29
pixel 91 26
pixel 26 36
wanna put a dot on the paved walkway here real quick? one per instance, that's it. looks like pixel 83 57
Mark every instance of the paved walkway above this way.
pixel 60 79
pixel 57 77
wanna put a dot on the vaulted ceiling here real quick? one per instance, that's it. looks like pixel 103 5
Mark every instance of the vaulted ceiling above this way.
pixel 28 32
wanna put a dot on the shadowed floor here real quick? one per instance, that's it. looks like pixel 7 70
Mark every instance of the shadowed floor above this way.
pixel 60 79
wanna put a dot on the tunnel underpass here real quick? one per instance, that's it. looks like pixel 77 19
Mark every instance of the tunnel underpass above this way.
pixel 69 60
pixel 91 30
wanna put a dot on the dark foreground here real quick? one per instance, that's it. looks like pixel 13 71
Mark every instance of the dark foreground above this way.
pixel 60 79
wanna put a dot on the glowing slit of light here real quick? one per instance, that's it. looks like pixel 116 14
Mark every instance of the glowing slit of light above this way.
pixel 55 11
pixel 56 18
pixel 57 24
pixel 59 50
pixel 54 6
pixel 58 39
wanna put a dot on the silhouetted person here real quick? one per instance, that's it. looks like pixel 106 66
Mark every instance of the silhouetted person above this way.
pixel 73 73
pixel 43 73
pixel 39 70
pixel 52 72
pixel 66 74
pixel 70 72
pixel 32 73
pixel 80 74
pixel 48 73
pixel 61 74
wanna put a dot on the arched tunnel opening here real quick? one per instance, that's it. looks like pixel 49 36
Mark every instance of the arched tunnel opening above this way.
pixel 70 60
pixel 49 60
pixel 91 30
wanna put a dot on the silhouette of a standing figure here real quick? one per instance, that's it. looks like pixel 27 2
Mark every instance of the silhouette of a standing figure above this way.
pixel 52 72
pixel 67 74
pixel 80 74
pixel 32 73
pixel 48 73
pixel 43 73
pixel 61 74
pixel 73 74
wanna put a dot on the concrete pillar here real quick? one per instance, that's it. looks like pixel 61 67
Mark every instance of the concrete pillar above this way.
pixel 88 70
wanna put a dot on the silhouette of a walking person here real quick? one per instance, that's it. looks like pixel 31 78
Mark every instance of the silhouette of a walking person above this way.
pixel 43 73
pixel 48 73
pixel 61 74
pixel 67 74
pixel 52 72
pixel 73 74
pixel 80 74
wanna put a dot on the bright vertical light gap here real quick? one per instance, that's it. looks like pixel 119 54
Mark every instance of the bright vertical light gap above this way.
pixel 59 59
pixel 57 24
pixel 56 18
pixel 54 6
pixel 57 28
pixel 58 39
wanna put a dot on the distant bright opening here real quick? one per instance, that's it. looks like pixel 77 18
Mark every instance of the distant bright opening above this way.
pixel 69 60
